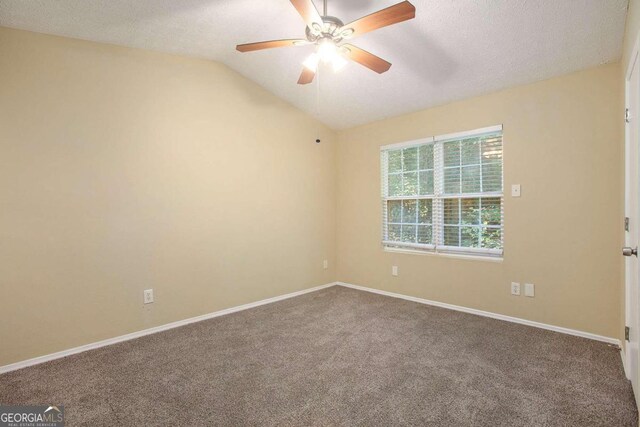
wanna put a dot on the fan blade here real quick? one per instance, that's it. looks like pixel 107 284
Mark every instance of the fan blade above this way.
pixel 309 13
pixel 365 58
pixel 392 15
pixel 306 76
pixel 248 47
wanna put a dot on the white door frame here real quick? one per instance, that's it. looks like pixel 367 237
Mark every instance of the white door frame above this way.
pixel 627 291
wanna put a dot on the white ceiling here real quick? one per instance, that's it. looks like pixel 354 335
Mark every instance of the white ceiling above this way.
pixel 453 49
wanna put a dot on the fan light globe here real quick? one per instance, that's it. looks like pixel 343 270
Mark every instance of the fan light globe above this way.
pixel 311 62
pixel 327 50
pixel 339 63
pixel 327 53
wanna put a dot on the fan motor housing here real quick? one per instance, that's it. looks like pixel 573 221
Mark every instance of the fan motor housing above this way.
pixel 329 29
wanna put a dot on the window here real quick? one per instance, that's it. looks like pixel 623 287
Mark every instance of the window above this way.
pixel 444 194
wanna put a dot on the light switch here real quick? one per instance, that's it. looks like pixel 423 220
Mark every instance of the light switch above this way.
pixel 394 270
pixel 529 290
pixel 515 190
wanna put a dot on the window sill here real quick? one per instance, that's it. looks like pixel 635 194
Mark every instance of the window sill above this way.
pixel 444 254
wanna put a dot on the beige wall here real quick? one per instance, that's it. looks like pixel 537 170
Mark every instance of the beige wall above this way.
pixel 563 144
pixel 122 170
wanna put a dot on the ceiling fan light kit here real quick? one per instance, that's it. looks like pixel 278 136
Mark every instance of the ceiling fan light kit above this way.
pixel 328 33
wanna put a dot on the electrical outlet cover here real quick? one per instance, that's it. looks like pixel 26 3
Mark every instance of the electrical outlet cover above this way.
pixel 515 288
pixel 148 296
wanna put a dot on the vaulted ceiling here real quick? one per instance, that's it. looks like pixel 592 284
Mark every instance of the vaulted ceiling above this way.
pixel 453 49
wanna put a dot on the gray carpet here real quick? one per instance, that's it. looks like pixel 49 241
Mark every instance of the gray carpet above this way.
pixel 338 357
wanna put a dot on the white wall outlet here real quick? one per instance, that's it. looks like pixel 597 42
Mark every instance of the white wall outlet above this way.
pixel 394 270
pixel 515 190
pixel 325 264
pixel 148 296
pixel 529 290
pixel 515 288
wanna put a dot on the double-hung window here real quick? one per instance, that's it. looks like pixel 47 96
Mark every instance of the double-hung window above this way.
pixel 445 193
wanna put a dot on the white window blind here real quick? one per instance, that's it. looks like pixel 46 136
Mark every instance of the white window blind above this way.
pixel 445 193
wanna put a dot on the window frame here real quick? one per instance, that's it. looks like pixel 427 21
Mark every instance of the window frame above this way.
pixel 438 198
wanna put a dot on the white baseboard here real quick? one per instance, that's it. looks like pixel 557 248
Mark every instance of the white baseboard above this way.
pixel 560 329
pixel 133 335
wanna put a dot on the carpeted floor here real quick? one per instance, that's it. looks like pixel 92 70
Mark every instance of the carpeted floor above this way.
pixel 338 357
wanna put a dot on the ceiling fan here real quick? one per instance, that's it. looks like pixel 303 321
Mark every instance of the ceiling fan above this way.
pixel 328 32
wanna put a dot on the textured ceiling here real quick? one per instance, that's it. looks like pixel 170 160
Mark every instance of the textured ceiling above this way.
pixel 454 49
